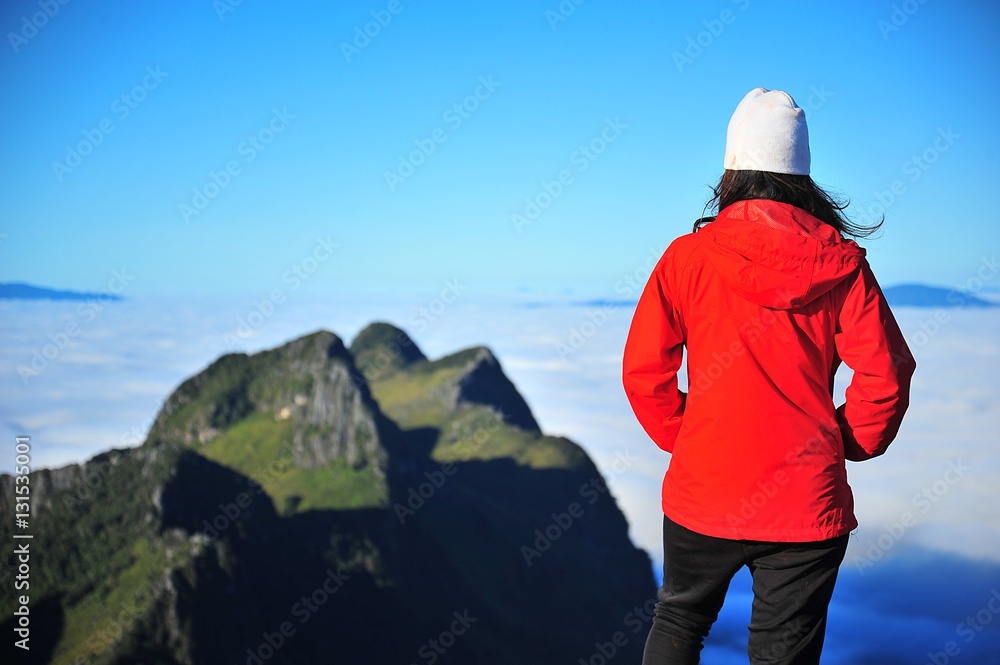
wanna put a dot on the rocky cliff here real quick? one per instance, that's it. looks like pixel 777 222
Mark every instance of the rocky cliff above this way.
pixel 315 503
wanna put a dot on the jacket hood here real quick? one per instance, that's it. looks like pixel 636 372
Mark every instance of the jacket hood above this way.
pixel 776 255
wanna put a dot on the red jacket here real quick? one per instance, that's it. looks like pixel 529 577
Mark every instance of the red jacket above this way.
pixel 768 301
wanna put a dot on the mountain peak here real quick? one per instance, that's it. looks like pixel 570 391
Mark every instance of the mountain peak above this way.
pixel 922 295
pixel 322 341
pixel 304 403
pixel 269 474
pixel 381 347
pixel 482 381
pixel 22 291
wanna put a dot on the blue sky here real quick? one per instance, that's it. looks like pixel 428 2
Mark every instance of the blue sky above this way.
pixel 897 95
pixel 901 98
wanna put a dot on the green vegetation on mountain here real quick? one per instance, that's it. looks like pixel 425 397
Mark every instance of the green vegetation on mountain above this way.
pixel 395 489
pixel 295 419
pixel 96 548
pixel 421 393
pixel 262 447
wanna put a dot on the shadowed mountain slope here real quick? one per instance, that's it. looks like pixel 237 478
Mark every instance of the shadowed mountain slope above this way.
pixel 314 503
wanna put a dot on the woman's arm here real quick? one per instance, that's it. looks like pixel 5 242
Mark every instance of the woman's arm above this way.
pixel 653 354
pixel 870 343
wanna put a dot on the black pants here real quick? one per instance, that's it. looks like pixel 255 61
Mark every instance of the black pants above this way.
pixel 792 586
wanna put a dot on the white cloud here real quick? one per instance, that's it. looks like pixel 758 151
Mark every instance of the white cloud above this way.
pixel 122 365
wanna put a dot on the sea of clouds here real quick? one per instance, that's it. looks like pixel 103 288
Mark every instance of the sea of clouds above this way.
pixel 921 581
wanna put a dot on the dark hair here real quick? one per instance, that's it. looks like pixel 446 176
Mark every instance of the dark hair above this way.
pixel 797 190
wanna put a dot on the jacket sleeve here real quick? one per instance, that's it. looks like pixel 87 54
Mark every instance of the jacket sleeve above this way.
pixel 653 354
pixel 870 343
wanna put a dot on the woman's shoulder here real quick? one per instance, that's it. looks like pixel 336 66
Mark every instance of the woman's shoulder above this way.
pixel 682 252
pixel 683 247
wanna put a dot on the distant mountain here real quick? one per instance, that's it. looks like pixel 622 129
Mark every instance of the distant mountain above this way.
pixel 21 291
pixel 605 303
pixel 317 503
pixel 920 295
pixel 902 295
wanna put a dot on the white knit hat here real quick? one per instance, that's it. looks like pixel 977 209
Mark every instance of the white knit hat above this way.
pixel 768 133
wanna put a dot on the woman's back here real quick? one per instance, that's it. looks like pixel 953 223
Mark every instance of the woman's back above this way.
pixel 768 298
pixel 757 296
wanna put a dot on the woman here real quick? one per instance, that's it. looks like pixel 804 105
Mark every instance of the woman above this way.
pixel 768 298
